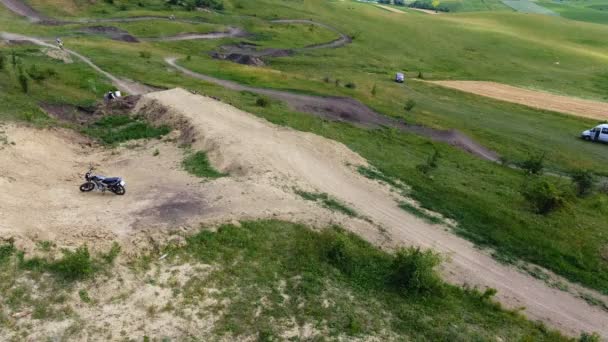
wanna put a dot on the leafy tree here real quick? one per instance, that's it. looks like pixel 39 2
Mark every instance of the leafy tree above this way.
pixel 534 164
pixel 413 272
pixel 409 105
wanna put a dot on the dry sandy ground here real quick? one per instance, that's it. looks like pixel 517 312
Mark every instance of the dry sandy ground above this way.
pixel 532 98
pixel 390 9
pixel 41 172
pixel 424 10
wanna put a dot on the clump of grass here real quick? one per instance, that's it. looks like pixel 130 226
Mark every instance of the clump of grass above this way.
pixel 409 105
pixel 419 213
pixel 328 202
pixel 198 164
pixel 72 266
pixel 114 129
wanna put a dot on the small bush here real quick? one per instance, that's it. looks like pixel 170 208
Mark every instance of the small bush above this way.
pixel 74 265
pixel 374 90
pixel 543 196
pixel 420 75
pixel 262 101
pixel 430 164
pixel 326 79
pixel 40 75
pixel 6 250
pixel 14 60
pixel 350 85
pixel 145 54
pixel 586 337
pixel 534 165
pixel 583 180
pixel 23 81
pixel 2 61
pixel 413 272
pixel 409 105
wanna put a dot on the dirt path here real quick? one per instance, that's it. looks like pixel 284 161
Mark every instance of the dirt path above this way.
pixel 532 98
pixel 390 9
pixel 306 160
pixel 128 87
pixel 348 110
pixel 23 10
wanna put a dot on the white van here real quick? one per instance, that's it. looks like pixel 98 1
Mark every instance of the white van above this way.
pixel 598 133
pixel 399 77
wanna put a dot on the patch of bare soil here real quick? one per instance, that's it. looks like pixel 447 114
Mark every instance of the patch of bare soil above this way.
pixel 532 98
pixel 40 172
pixel 111 32
pixel 390 9
pixel 24 10
pixel 69 113
pixel 58 54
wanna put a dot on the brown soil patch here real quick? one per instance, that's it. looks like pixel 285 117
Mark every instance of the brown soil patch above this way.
pixel 69 113
pixel 532 98
pixel 111 32
pixel 390 9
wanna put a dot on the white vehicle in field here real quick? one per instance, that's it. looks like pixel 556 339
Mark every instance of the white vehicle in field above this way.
pixel 598 133
pixel 399 77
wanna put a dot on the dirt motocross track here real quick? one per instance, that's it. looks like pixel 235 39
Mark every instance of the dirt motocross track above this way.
pixel 41 171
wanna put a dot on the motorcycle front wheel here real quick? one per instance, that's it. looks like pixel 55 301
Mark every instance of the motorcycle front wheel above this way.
pixel 86 187
pixel 119 190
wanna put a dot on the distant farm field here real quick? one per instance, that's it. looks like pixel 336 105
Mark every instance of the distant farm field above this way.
pixel 526 6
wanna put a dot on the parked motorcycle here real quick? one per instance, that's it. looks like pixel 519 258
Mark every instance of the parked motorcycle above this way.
pixel 114 184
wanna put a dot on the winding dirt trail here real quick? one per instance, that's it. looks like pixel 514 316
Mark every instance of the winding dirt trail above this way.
pixel 347 110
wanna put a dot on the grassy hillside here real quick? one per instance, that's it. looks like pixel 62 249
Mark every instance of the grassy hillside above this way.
pixel 593 11
pixel 261 281
pixel 505 47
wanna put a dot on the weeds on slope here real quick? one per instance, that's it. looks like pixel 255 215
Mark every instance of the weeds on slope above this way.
pixel 115 129
pixel 328 202
pixel 274 277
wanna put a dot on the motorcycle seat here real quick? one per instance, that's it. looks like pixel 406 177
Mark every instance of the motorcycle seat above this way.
pixel 111 180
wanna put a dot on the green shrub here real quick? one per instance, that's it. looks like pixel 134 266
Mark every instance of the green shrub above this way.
pixel 145 54
pixel 534 164
pixel 6 250
pixel 413 272
pixel 374 90
pixel 40 75
pixel 350 85
pixel 262 101
pixel 23 81
pixel 543 196
pixel 409 105
pixel 2 61
pixel 74 265
pixel 430 164
pixel 420 75
pixel 583 180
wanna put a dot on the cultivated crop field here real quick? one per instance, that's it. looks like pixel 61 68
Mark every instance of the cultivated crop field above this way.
pixel 324 175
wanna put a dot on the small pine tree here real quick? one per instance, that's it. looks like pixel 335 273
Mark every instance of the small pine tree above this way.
pixel 420 75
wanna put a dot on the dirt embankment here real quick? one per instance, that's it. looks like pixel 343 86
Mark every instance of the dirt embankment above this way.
pixel 532 98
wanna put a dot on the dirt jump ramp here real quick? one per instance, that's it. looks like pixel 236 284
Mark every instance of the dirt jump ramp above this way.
pixel 252 148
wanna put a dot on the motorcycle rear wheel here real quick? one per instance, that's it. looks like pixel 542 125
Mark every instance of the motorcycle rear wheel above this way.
pixel 86 187
pixel 119 190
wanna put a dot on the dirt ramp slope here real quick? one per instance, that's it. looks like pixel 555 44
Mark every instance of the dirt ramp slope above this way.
pixel 241 143
pixel 532 98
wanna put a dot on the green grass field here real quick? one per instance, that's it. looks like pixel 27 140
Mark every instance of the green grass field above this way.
pixel 482 197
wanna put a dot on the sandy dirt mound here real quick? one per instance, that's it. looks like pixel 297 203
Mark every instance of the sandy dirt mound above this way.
pixel 40 171
pixel 532 98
